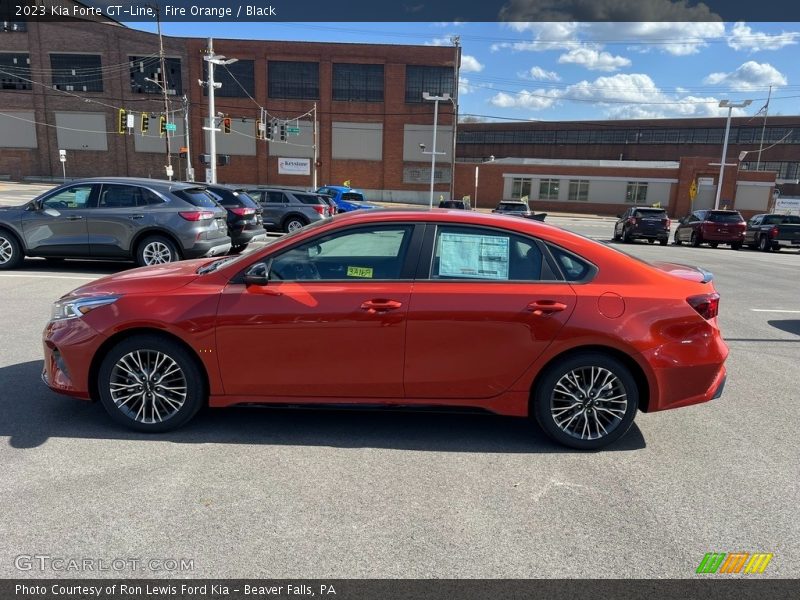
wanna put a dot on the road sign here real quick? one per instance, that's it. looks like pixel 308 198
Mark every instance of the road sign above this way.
pixel 293 130
pixel 170 127
pixel 62 155
pixel 693 190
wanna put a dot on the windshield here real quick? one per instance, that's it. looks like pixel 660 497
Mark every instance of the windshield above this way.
pixel 651 214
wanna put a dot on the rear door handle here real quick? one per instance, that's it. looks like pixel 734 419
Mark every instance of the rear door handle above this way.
pixel 74 218
pixel 380 305
pixel 545 307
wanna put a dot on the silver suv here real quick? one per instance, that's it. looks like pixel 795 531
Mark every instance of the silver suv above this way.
pixel 145 220
pixel 288 210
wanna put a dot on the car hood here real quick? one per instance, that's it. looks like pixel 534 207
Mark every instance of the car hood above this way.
pixel 687 272
pixel 14 208
pixel 155 279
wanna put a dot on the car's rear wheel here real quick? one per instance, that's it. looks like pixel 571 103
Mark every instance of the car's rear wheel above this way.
pixel 678 241
pixel 626 236
pixel 764 244
pixel 736 246
pixel 150 383
pixel 293 224
pixel 586 401
pixel 10 251
pixel 713 244
pixel 696 240
pixel 156 250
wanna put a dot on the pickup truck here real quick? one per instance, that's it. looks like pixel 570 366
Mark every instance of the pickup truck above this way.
pixel 769 232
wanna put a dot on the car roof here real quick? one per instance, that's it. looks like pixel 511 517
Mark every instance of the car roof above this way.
pixel 159 184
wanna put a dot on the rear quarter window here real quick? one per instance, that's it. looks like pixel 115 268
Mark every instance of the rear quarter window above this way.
pixel 196 197
pixel 574 268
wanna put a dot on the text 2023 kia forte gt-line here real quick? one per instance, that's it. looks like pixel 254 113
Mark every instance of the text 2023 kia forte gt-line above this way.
pixel 442 308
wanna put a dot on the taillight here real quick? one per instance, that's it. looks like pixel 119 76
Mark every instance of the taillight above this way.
pixel 243 212
pixel 773 232
pixel 320 209
pixel 197 215
pixel 667 223
pixel 706 305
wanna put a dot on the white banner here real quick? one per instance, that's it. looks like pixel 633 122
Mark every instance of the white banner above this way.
pixel 294 166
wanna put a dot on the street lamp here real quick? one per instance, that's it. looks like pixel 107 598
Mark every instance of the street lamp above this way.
pixel 213 59
pixel 477 168
pixel 433 152
pixel 730 106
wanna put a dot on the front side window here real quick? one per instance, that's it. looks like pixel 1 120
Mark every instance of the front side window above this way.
pixel 293 80
pixel 469 253
pixel 364 254
pixel 72 198
pixel 276 198
pixel 120 196
pixel 548 189
pixel 636 193
pixel 579 190
pixel 77 72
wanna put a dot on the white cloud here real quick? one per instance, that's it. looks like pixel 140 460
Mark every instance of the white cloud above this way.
pixel 594 60
pixel 749 76
pixel 540 74
pixel 743 38
pixel 464 86
pixel 546 36
pixel 537 100
pixel 441 41
pixel 470 64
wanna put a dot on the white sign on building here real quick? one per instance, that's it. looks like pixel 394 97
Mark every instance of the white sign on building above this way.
pixel 294 166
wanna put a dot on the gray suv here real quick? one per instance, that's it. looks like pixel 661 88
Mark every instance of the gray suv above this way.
pixel 145 220
pixel 288 210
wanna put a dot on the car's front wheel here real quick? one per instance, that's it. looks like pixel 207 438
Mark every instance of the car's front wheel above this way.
pixel 150 383
pixel 696 240
pixel 156 250
pixel 764 244
pixel 10 251
pixel 586 401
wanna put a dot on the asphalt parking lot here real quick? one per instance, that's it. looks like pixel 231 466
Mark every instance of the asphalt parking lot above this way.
pixel 319 494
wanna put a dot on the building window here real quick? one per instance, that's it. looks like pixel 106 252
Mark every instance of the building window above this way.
pixel 237 79
pixel 520 188
pixel 636 193
pixel 15 71
pixel 77 72
pixel 357 83
pixel 548 189
pixel 436 81
pixel 293 80
pixel 578 190
pixel 146 69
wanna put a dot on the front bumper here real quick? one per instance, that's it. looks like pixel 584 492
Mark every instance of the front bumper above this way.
pixel 69 347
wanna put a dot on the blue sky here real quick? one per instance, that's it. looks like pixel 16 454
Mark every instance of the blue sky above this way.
pixel 582 71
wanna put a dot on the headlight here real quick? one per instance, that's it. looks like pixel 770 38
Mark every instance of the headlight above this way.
pixel 72 308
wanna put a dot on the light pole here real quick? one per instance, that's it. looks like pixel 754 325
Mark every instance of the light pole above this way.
pixel 213 59
pixel 730 106
pixel 477 168
pixel 433 152
pixel 168 166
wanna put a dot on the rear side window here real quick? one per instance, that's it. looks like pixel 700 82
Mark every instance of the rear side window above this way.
pixel 309 199
pixel 724 217
pixel 237 198
pixel 572 267
pixel 197 197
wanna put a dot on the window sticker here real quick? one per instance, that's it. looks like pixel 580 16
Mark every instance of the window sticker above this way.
pixel 363 272
pixel 473 256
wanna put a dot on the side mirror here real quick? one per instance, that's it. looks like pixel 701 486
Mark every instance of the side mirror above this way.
pixel 314 250
pixel 258 274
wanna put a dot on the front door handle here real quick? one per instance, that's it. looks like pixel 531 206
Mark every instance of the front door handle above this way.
pixel 545 307
pixel 74 218
pixel 380 305
pixel 136 217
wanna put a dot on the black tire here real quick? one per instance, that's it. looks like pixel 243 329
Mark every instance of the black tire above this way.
pixel 549 403
pixel 664 242
pixel 11 255
pixel 293 223
pixel 713 244
pixel 626 236
pixel 678 242
pixel 651 241
pixel 133 411
pixel 156 250
pixel 736 246
pixel 764 244
pixel 696 239
pixel 616 237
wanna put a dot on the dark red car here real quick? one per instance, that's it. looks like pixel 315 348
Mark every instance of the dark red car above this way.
pixel 712 227
pixel 444 308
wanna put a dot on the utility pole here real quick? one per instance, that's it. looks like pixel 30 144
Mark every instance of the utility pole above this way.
pixel 433 152
pixel 189 169
pixel 168 166
pixel 213 59
pixel 456 39
pixel 314 145
pixel 763 128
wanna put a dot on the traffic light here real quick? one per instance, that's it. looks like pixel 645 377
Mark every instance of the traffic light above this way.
pixel 259 130
pixel 162 125
pixel 122 125
pixel 145 123
pixel 282 132
pixel 270 133
pixel 226 125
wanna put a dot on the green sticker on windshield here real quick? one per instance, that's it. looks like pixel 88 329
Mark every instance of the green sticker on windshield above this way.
pixel 365 272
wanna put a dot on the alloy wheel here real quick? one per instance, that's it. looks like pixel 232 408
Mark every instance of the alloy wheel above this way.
pixel 293 225
pixel 6 251
pixel 588 403
pixel 156 253
pixel 148 386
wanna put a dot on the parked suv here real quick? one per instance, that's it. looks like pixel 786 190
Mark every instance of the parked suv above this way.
pixel 638 222
pixel 145 220
pixel 244 215
pixel 346 198
pixel 288 210
pixel 712 227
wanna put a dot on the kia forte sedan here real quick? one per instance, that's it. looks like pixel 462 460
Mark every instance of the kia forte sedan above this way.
pixel 443 308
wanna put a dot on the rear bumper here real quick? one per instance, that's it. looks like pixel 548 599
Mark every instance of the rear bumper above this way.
pixel 208 248
pixel 650 235
pixel 245 236
pixel 723 238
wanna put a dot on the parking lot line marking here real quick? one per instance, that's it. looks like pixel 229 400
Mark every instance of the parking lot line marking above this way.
pixel 49 276
pixel 776 310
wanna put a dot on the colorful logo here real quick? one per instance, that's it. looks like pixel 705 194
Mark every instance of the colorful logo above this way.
pixel 734 562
